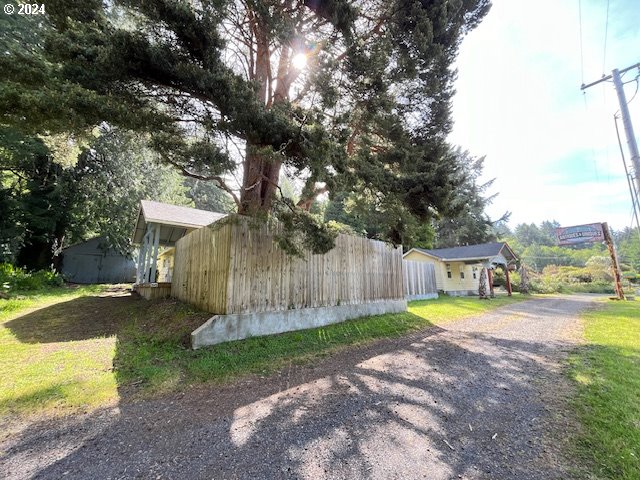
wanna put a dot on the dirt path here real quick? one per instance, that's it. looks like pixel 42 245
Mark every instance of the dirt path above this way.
pixel 477 399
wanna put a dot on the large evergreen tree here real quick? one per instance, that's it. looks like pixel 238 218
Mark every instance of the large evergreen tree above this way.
pixel 220 88
pixel 110 178
pixel 35 196
pixel 471 225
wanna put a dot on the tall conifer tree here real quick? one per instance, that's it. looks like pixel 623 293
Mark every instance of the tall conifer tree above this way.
pixel 349 95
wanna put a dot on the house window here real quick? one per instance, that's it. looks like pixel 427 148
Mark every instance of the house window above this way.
pixel 474 271
pixel 462 275
pixel 462 272
pixel 448 270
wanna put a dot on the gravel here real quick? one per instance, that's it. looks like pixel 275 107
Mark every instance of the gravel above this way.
pixel 475 399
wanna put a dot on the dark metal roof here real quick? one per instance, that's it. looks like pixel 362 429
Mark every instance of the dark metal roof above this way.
pixel 471 252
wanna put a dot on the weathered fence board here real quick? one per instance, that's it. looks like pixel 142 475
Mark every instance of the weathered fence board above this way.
pixel 201 268
pixel 419 280
pixel 234 268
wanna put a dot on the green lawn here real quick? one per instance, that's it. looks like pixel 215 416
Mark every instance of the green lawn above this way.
pixel 35 375
pixel 607 375
pixel 21 302
pixel 67 350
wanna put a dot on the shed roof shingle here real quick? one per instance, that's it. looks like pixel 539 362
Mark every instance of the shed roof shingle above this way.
pixel 175 221
pixel 167 214
pixel 483 250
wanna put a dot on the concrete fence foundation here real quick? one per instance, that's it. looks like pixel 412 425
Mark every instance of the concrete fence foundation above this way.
pixel 224 328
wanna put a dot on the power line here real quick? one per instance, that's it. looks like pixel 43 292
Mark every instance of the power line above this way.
pixel 635 201
pixel 626 118
pixel 606 34
pixel 593 151
pixel 634 93
pixel 581 47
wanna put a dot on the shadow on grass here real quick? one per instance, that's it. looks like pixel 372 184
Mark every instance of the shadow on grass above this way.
pixel 65 352
pixel 79 319
pixel 36 397
pixel 152 341
pixel 436 403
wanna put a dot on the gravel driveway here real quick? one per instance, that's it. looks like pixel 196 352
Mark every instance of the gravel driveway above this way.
pixel 480 398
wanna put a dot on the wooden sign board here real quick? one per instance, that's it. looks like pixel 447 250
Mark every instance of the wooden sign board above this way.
pixel 591 232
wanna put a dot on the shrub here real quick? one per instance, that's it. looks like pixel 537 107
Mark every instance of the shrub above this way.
pixel 499 279
pixel 547 285
pixel 15 278
pixel 593 287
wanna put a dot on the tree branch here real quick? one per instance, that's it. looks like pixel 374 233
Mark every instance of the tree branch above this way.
pixel 207 178
pixel 306 203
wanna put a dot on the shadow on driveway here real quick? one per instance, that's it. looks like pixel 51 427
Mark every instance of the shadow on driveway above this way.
pixel 436 404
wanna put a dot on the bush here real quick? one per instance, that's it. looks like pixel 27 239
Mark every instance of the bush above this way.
pixel 591 279
pixel 547 285
pixel 552 285
pixel 15 278
pixel 593 287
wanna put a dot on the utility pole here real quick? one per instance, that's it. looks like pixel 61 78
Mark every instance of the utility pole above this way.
pixel 626 118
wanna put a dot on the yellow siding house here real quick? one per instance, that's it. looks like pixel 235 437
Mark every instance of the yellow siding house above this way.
pixel 458 268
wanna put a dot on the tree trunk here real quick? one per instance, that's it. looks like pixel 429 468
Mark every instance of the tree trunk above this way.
pixel 524 280
pixel 492 292
pixel 508 280
pixel 261 175
pixel 261 169
pixel 482 286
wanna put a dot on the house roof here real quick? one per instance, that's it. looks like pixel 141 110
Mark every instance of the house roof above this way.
pixel 176 221
pixel 92 244
pixel 482 251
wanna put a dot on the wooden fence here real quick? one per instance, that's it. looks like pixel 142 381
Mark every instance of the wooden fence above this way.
pixel 201 267
pixel 419 280
pixel 236 268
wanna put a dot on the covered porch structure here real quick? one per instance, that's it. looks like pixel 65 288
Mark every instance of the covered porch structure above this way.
pixel 160 225
pixel 505 259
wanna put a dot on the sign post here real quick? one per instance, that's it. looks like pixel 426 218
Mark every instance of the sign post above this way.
pixel 614 261
pixel 593 232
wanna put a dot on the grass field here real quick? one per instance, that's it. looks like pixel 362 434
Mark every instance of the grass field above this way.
pixel 67 350
pixel 607 375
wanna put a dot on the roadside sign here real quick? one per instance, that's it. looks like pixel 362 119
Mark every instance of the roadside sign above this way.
pixel 591 232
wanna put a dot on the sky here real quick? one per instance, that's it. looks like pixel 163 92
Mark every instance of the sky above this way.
pixel 551 148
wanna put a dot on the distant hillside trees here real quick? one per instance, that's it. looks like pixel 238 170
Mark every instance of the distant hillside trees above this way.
pixel 582 268
pixel 628 243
